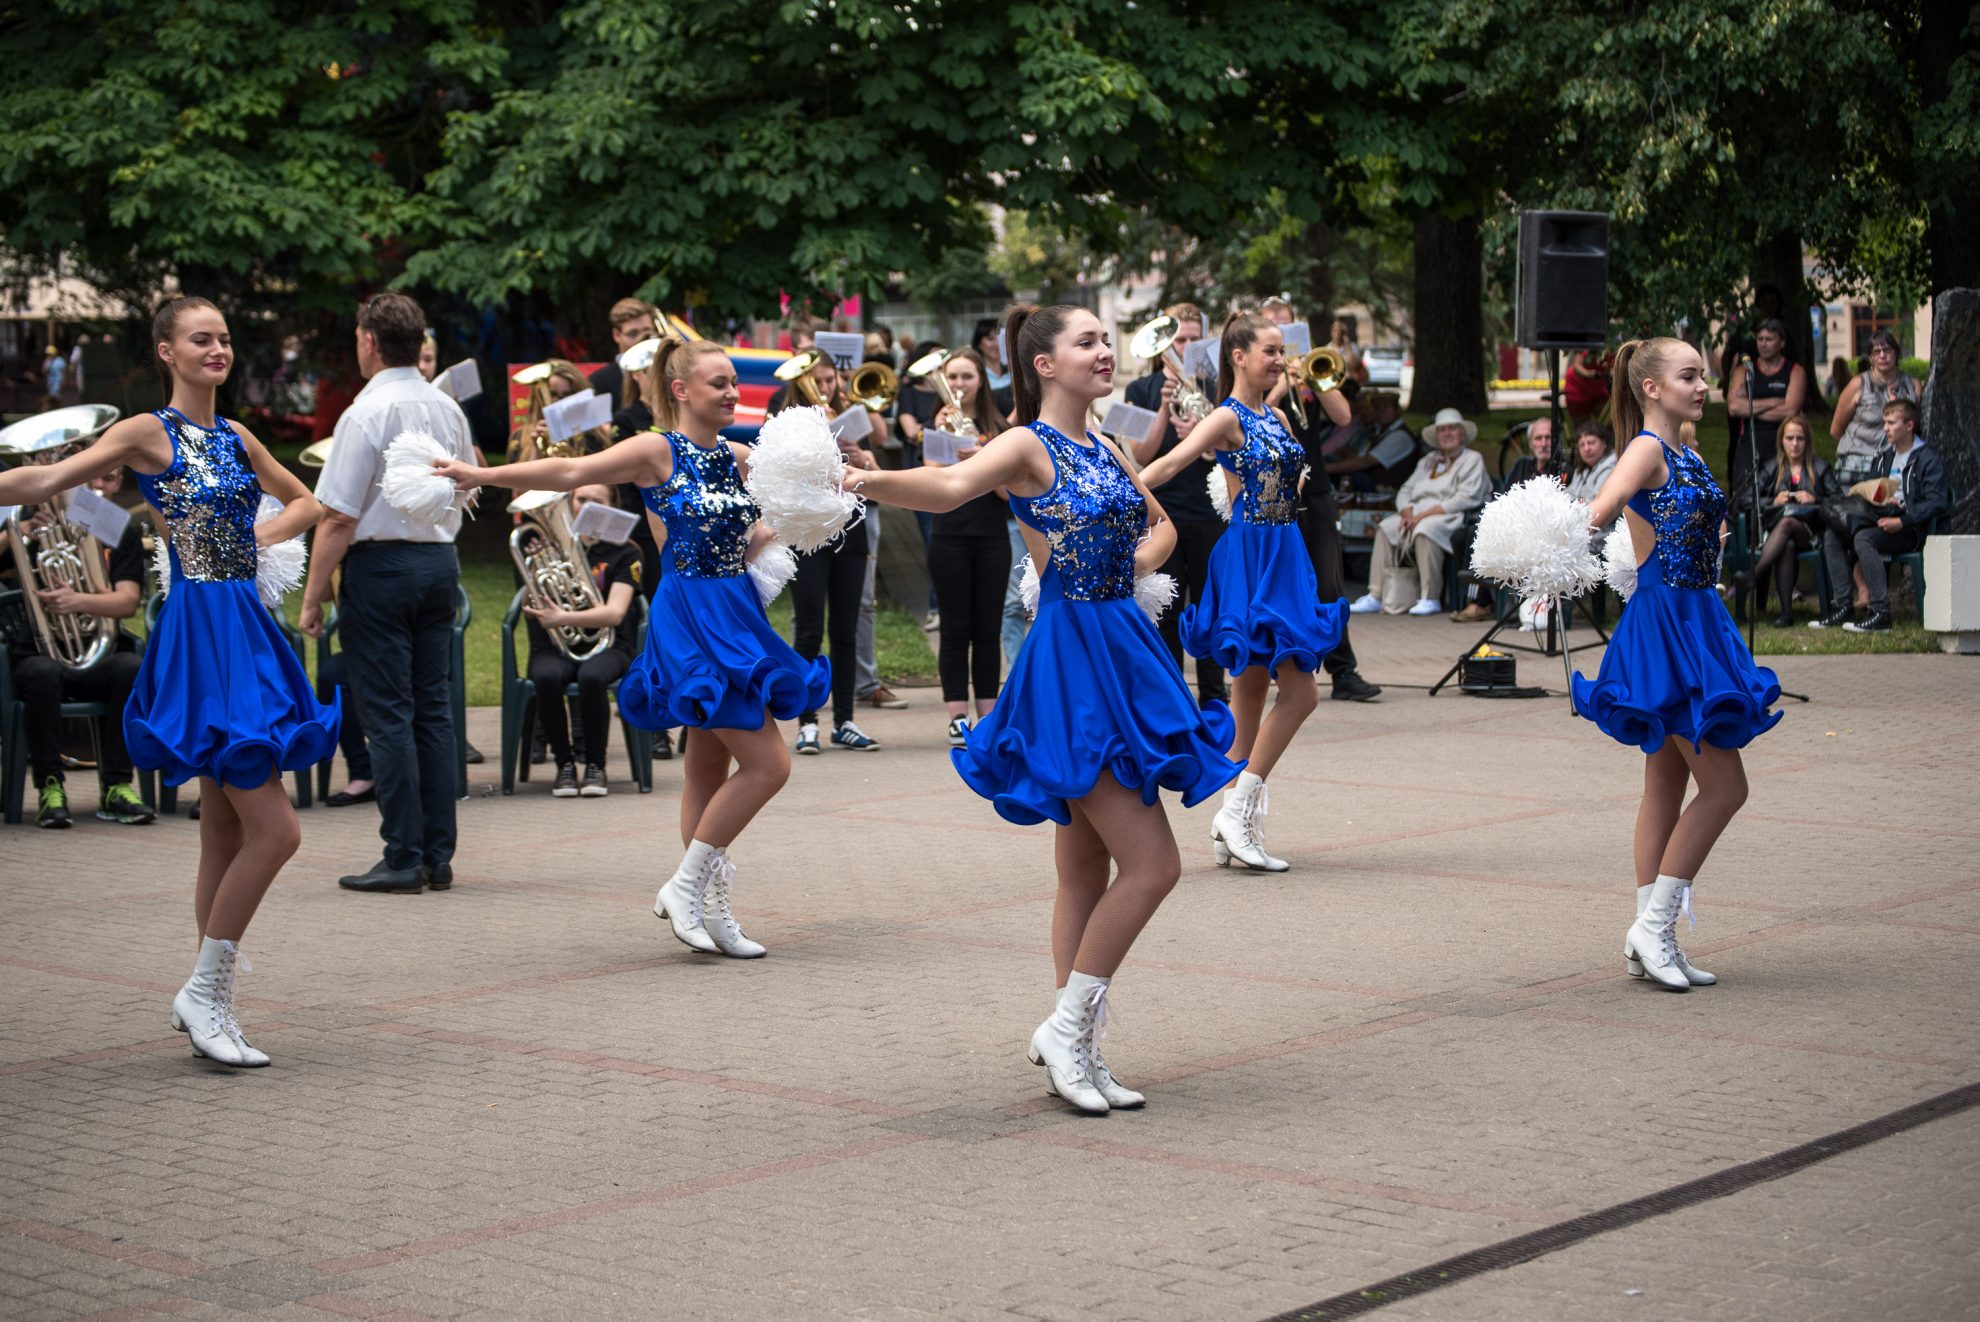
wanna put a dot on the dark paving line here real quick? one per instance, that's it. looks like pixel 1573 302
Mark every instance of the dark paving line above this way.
pixel 1552 1239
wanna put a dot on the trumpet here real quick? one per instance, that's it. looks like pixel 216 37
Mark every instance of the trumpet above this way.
pixel 1319 370
pixel 930 366
pixel 51 552
pixel 1157 340
pixel 553 571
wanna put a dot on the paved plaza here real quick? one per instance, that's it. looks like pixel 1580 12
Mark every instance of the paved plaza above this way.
pixel 524 1099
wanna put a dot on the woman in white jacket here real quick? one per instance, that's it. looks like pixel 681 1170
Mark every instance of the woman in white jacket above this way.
pixel 1448 483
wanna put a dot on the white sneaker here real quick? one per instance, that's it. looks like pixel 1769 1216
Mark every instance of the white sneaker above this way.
pixel 1427 606
pixel 1365 604
pixel 807 740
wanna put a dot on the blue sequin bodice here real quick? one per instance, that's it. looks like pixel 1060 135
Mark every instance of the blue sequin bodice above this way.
pixel 209 498
pixel 1268 464
pixel 1093 516
pixel 1685 513
pixel 707 512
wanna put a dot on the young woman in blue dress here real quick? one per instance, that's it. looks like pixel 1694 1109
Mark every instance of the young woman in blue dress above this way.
pixel 1260 616
pixel 1094 720
pixel 712 660
pixel 1676 680
pixel 221 696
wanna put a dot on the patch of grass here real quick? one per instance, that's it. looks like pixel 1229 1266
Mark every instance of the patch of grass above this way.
pixel 1906 635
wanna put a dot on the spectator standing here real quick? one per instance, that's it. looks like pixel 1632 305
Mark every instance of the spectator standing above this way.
pixel 1858 424
pixel 53 365
pixel 1762 392
pixel 1585 388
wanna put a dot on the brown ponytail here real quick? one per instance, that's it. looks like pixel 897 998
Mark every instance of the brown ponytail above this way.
pixel 164 325
pixel 1636 362
pixel 1241 331
pixel 672 363
pixel 1030 330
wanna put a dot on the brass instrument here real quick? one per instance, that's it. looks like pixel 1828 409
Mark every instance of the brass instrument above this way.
pixel 537 378
pixel 49 551
pixel 930 366
pixel 873 386
pixel 316 454
pixel 795 372
pixel 553 570
pixel 1318 370
pixel 1156 340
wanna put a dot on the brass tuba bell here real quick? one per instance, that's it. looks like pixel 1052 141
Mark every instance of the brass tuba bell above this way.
pixel 49 551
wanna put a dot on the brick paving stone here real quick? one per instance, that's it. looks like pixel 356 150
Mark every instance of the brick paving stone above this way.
pixel 523 1099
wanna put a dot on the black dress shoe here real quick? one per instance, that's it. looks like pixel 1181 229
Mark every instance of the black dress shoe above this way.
pixel 663 747
pixel 438 878
pixel 1785 620
pixel 1349 686
pixel 381 878
pixel 344 798
pixel 474 757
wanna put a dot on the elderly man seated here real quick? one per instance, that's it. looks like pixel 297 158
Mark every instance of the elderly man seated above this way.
pixel 1448 483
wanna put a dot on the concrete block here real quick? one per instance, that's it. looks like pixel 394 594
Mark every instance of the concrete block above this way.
pixel 1952 592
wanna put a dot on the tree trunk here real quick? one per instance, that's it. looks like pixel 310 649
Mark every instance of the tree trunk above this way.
pixel 1448 314
pixel 1952 400
pixel 1317 297
pixel 1952 216
pixel 1780 265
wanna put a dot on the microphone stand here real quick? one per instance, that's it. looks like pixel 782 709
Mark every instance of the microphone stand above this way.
pixel 1759 519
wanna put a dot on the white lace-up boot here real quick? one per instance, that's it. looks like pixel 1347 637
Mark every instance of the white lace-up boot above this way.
pixel 1651 941
pixel 1238 829
pixel 721 924
pixel 1063 1044
pixel 1694 975
pixel 204 1008
pixel 1119 1096
pixel 681 900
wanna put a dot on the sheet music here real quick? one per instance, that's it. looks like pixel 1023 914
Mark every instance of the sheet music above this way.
pixel 852 426
pixel 844 348
pixel 101 518
pixel 1201 359
pixel 1298 337
pixel 461 382
pixel 607 523
pixel 580 413
pixel 940 447
pixel 1129 422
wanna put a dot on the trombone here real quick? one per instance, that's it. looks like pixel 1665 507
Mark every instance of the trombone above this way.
pixel 1318 370
pixel 1157 340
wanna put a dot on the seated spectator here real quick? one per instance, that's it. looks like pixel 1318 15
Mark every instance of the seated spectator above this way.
pixel 1594 460
pixel 615 569
pixel 1381 455
pixel 1448 483
pixel 1793 487
pixel 1922 496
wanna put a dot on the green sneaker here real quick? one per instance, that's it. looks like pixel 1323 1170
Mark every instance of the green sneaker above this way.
pixel 122 804
pixel 54 813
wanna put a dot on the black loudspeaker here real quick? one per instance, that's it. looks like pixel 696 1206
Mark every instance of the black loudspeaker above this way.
pixel 1563 280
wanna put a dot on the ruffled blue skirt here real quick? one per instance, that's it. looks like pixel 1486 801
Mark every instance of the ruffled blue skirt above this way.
pixel 1676 665
pixel 1093 692
pixel 1261 604
pixel 713 661
pixel 221 694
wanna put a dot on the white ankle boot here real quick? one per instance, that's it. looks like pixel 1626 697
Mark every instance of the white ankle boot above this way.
pixel 1694 975
pixel 1238 829
pixel 681 900
pixel 1063 1044
pixel 721 924
pixel 1651 940
pixel 204 1008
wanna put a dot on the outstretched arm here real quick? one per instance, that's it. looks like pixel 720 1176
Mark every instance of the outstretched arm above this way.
pixel 1212 431
pixel 645 459
pixel 132 439
pixel 1015 459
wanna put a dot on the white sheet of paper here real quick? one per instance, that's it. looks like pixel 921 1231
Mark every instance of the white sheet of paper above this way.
pixel 7 512
pixel 1393 448
pixel 581 412
pixel 1299 338
pixel 855 424
pixel 1129 422
pixel 1201 360
pixel 608 523
pixel 939 447
pixel 461 382
pixel 101 518
pixel 844 348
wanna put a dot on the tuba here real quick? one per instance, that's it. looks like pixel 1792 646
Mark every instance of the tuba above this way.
pixel 1156 341
pixel 49 551
pixel 929 367
pixel 1319 370
pixel 551 563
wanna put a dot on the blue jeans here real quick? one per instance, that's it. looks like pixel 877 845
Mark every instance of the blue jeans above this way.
pixel 1016 623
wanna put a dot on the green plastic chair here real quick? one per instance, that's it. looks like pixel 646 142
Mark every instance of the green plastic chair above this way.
pixel 519 704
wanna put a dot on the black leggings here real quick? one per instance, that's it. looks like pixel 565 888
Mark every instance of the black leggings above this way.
pixel 551 671
pixel 970 575
pixel 1789 538
pixel 833 576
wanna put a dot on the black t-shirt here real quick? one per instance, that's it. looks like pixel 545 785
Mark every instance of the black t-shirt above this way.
pixel 1187 494
pixel 609 380
pixel 610 562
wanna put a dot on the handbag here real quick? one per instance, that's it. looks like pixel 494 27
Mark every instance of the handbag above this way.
pixel 1850 515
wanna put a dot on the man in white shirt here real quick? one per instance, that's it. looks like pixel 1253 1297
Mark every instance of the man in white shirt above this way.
pixel 396 606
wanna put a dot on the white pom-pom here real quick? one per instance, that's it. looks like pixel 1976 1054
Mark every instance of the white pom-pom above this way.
pixel 1619 561
pixel 411 486
pixel 772 570
pixel 1534 540
pixel 795 473
pixel 279 568
pixel 1220 493
pixel 1028 586
pixel 1155 593
pixel 161 562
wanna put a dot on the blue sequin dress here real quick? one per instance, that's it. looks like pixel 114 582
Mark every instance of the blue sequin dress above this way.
pixel 1676 664
pixel 1260 604
pixel 712 660
pixel 220 692
pixel 1093 690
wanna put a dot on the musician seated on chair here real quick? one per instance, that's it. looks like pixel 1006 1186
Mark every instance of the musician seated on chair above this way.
pixel 616 571
pixel 42 683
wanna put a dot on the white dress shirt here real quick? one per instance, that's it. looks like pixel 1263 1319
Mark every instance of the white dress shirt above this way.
pixel 396 400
